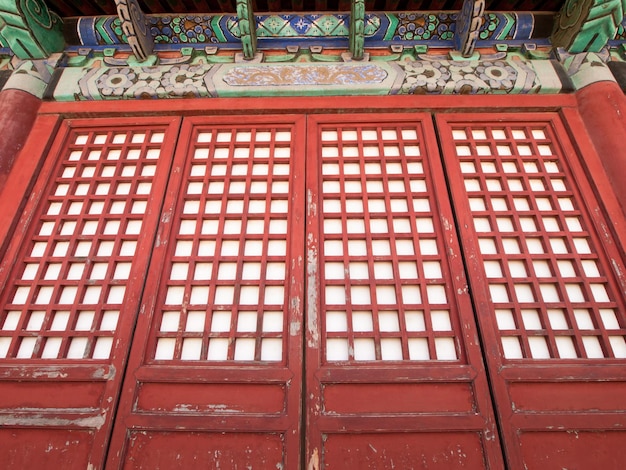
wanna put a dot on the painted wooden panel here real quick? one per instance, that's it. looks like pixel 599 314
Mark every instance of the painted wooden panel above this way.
pixel 435 450
pixel 45 446
pixel 174 449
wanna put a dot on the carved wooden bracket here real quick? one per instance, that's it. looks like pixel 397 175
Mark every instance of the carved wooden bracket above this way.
pixel 468 25
pixel 136 28
pixel 357 29
pixel 247 28
pixel 587 25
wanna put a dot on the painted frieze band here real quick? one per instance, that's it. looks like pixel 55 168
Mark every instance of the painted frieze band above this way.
pixel 512 76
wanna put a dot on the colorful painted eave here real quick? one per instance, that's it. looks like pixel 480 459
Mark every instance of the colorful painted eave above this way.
pixel 315 29
pixel 189 56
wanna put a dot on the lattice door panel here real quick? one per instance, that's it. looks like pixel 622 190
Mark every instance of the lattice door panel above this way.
pixel 70 299
pixel 390 326
pixel 549 289
pixel 223 303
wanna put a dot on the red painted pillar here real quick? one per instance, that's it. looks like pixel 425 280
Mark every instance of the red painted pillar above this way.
pixel 602 106
pixel 18 110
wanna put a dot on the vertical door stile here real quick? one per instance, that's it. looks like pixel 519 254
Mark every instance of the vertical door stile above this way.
pixel 296 307
pixel 312 442
pixel 70 301
pixel 215 376
pixel 544 274
pixel 394 369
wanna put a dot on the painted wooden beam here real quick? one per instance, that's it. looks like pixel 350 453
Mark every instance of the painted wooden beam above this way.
pixel 468 25
pixel 136 28
pixel 247 28
pixel 30 29
pixel 587 25
pixel 357 29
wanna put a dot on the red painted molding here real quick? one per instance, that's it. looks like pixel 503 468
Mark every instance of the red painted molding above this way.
pixel 317 105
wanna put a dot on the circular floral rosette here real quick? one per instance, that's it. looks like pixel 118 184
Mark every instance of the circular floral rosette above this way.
pixel 115 81
pixel 498 75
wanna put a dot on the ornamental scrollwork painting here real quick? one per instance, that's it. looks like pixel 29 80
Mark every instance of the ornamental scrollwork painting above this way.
pixel 30 29
pixel 587 25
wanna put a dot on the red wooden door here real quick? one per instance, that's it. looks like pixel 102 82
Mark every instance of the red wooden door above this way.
pixel 71 282
pixel 394 369
pixel 548 285
pixel 215 372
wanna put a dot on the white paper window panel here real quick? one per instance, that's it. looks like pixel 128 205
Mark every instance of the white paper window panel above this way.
pixel 618 344
pixel 218 349
pixel 511 347
pixel 232 226
pixel 414 321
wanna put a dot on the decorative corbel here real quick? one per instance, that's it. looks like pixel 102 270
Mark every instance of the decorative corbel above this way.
pixel 247 28
pixel 29 29
pixel 587 25
pixel 136 27
pixel 468 25
pixel 357 29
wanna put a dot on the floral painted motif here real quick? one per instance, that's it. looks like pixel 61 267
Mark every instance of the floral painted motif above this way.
pixel 182 81
pixel 220 29
pixel 465 77
pixel 116 81
pixel 436 76
pixel 498 74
